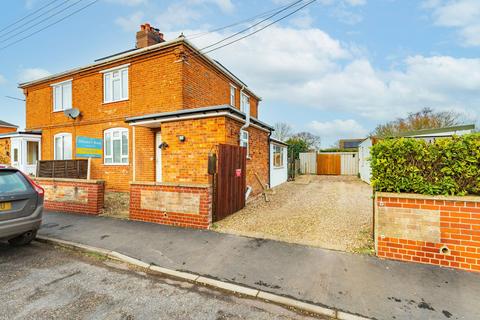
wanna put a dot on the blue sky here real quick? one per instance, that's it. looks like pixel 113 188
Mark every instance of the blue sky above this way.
pixel 336 68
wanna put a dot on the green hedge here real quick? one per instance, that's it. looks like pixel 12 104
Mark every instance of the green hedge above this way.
pixel 448 166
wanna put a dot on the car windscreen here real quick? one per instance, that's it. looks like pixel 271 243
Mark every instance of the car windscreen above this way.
pixel 13 182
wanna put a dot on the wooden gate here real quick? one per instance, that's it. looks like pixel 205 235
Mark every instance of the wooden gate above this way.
pixel 231 180
pixel 329 164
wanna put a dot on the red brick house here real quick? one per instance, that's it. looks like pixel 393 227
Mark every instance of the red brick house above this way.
pixel 150 116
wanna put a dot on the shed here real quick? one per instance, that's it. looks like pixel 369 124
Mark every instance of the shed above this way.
pixel 278 162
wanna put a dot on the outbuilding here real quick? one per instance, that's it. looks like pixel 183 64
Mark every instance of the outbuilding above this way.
pixel 278 162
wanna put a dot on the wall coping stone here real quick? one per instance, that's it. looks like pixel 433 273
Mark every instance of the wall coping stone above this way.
pixel 70 180
pixel 426 196
pixel 172 184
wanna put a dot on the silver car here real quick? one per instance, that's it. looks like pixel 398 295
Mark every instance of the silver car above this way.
pixel 21 206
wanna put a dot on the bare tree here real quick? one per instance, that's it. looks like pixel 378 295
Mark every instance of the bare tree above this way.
pixel 282 132
pixel 426 118
pixel 313 141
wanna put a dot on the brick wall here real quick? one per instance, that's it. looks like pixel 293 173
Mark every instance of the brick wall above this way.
pixel 73 195
pixel 258 161
pixel 182 205
pixel 5 151
pixel 7 130
pixel 435 230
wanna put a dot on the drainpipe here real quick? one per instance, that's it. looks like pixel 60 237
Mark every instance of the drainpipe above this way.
pixel 245 126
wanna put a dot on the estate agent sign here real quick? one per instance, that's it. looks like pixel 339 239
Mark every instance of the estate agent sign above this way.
pixel 89 147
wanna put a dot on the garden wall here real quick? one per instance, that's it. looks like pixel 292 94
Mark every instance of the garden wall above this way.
pixel 73 195
pixel 438 230
pixel 183 205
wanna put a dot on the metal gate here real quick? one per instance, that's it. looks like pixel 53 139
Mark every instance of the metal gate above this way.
pixel 231 180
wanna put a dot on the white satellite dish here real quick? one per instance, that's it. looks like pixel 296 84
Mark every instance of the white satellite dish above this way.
pixel 72 113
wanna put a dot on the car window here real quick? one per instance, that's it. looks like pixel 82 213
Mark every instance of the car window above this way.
pixel 12 181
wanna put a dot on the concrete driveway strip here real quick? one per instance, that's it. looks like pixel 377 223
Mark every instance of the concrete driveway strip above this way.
pixel 357 284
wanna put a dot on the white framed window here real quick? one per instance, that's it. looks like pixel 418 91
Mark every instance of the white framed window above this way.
pixel 245 103
pixel 115 84
pixel 232 95
pixel 62 146
pixel 278 156
pixel 244 140
pixel 115 145
pixel 62 95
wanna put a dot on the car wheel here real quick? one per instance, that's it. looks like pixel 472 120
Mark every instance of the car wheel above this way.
pixel 23 239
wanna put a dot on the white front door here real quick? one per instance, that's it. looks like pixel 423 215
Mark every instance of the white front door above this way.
pixel 158 156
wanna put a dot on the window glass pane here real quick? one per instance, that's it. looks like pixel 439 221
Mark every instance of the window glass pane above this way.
pixel 117 95
pixel 67 147
pixel 67 96
pixel 58 148
pixel 58 98
pixel 108 144
pixel 108 87
pixel 125 160
pixel 12 182
pixel 32 152
pixel 108 160
pixel 116 151
pixel 124 143
pixel 15 155
pixel 116 134
pixel 125 84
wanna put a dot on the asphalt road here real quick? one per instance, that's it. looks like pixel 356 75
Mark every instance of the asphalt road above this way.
pixel 42 282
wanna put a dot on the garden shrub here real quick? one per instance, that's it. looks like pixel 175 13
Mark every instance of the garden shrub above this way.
pixel 448 166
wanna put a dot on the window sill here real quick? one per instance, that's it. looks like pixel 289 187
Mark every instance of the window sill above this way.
pixel 116 164
pixel 56 111
pixel 282 167
pixel 109 102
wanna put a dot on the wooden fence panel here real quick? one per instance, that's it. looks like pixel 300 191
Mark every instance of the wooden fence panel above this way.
pixel 70 169
pixel 308 162
pixel 349 163
pixel 328 164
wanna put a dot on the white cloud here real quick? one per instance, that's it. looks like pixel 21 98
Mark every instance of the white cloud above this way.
pixel 131 23
pixel 2 79
pixel 345 129
pixel 461 14
pixel 309 68
pixel 29 4
pixel 30 74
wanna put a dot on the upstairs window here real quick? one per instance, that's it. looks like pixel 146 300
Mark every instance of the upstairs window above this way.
pixel 232 95
pixel 116 146
pixel 278 156
pixel 245 104
pixel 63 146
pixel 62 95
pixel 115 84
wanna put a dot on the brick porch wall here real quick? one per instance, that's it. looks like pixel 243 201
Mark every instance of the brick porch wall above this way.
pixel 416 228
pixel 73 195
pixel 182 205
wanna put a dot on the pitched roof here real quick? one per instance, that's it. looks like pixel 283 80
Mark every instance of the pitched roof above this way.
pixel 437 130
pixel 6 124
pixel 144 51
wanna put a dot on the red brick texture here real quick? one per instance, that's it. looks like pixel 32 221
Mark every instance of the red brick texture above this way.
pixel 453 221
pixel 178 205
pixel 73 195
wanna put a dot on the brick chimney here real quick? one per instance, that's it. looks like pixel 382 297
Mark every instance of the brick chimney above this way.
pixel 148 36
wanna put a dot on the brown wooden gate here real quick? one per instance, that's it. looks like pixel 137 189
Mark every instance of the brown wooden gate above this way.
pixel 231 180
pixel 329 164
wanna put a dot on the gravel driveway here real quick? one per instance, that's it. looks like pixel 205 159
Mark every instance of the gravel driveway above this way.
pixel 333 212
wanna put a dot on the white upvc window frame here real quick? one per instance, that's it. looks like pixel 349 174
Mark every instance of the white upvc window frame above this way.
pixel 63 100
pixel 115 134
pixel 66 142
pixel 245 103
pixel 233 95
pixel 277 149
pixel 244 140
pixel 112 76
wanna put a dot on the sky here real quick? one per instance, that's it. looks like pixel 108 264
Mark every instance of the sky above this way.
pixel 336 68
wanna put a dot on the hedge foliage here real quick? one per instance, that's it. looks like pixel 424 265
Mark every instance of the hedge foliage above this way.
pixel 448 166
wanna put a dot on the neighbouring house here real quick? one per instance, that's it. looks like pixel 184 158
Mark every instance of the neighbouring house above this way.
pixel 428 135
pixel 278 162
pixel 349 143
pixel 19 149
pixel 150 117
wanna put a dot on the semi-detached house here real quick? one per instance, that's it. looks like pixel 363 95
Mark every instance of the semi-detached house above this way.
pixel 158 111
